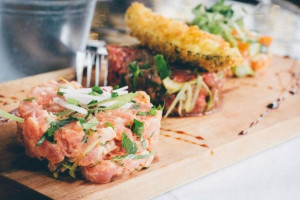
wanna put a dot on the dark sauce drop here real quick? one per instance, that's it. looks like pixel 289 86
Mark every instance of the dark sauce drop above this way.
pixel 293 92
pixel 204 145
pixel 253 123
pixel 199 138
pixel 2 96
pixel 243 132
pixel 181 132
pixel 273 105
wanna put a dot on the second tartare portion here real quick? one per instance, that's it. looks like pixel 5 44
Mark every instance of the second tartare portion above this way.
pixel 183 91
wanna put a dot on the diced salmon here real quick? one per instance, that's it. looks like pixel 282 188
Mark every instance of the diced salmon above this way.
pixel 94 156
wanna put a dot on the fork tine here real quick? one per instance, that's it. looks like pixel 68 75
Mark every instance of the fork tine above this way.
pixel 89 60
pixel 105 70
pixel 98 67
pixel 80 57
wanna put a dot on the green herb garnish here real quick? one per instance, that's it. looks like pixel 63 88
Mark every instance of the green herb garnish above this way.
pixel 132 156
pixel 11 117
pixel 219 20
pixel 59 92
pixel 151 112
pixel 97 89
pixel 118 102
pixel 29 99
pixel 114 94
pixel 72 101
pixel 162 66
pixel 54 126
pixel 92 123
pixel 129 145
pixel 93 102
pixel 137 128
pixel 135 73
pixel 94 93
pixel 66 112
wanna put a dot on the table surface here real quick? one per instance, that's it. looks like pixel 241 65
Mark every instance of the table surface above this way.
pixel 272 174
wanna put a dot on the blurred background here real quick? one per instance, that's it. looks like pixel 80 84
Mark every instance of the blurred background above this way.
pixel 277 18
pixel 53 45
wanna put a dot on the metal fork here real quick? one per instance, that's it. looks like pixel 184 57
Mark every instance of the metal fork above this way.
pixel 94 55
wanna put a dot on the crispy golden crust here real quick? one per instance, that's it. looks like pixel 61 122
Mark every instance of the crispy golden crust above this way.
pixel 179 42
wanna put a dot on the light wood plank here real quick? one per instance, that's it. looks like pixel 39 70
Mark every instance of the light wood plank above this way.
pixel 178 161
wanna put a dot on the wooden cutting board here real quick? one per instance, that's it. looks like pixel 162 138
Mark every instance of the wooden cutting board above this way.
pixel 182 155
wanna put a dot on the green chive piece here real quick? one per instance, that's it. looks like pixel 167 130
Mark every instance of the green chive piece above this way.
pixel 29 99
pixel 97 89
pixel 11 117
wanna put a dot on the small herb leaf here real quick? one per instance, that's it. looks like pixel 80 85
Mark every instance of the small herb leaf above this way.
pixel 137 128
pixel 162 66
pixel 129 145
pixel 29 99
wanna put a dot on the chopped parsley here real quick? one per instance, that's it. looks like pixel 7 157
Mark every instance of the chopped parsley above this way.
pixel 54 126
pixel 162 66
pixel 135 73
pixel 130 146
pixel 29 99
pixel 92 102
pixel 94 93
pixel 151 112
pixel 137 128
pixel 97 89
pixel 114 94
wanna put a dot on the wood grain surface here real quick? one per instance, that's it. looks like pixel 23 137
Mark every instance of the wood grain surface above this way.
pixel 182 154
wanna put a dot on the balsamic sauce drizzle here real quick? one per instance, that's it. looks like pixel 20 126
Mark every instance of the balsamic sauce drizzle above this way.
pixel 198 137
pixel 275 104
pixel 185 140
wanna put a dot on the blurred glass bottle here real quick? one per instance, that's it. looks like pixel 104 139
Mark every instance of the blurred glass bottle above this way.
pixel 281 20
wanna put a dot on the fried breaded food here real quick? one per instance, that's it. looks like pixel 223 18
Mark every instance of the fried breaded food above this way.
pixel 179 42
